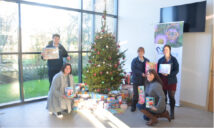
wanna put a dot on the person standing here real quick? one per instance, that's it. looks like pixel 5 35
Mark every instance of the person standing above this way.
pixel 169 80
pixel 55 65
pixel 138 75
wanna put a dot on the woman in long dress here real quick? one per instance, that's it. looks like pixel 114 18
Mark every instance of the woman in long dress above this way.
pixel 57 100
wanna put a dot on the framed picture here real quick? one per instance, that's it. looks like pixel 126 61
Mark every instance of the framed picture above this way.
pixel 51 53
pixel 165 68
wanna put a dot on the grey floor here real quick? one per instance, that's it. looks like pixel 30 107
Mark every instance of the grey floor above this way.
pixel 35 115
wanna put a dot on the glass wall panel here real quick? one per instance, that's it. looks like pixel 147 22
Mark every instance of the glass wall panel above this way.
pixel 35 76
pixel 39 23
pixel 8 27
pixel 63 3
pixel 9 82
pixel 110 6
pixel 87 31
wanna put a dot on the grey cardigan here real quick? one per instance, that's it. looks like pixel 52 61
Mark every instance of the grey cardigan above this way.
pixel 56 102
pixel 154 89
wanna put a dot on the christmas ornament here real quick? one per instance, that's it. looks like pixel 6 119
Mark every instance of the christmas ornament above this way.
pixel 98 53
pixel 107 72
pixel 95 74
pixel 99 65
pixel 103 62
pixel 106 46
pixel 110 73
pixel 112 78
pixel 103 82
pixel 101 73
pixel 115 65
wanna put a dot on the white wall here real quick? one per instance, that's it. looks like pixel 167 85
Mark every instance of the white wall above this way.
pixel 136 28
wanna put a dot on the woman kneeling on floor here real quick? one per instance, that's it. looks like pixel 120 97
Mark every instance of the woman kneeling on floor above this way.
pixel 57 100
pixel 154 89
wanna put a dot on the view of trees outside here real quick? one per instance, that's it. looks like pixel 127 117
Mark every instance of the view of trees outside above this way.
pixel 38 23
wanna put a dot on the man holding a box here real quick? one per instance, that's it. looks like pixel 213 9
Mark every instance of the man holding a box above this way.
pixel 55 63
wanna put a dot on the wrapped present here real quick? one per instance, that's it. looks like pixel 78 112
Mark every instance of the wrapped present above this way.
pixel 120 99
pixel 113 104
pixel 150 101
pixel 150 65
pixel 69 92
pixel 141 99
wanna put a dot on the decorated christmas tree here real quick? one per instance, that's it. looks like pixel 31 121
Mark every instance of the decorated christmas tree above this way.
pixel 105 69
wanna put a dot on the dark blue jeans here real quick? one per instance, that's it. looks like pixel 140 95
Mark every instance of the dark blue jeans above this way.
pixel 143 107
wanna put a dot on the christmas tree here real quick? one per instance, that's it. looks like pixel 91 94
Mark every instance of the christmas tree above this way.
pixel 105 69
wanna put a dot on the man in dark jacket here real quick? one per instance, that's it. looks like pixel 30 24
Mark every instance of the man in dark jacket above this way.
pixel 138 74
pixel 55 65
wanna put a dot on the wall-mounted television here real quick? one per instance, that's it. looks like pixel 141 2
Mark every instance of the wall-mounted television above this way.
pixel 193 15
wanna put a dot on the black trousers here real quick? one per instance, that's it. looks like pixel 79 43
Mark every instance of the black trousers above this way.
pixel 171 95
pixel 51 74
pixel 135 95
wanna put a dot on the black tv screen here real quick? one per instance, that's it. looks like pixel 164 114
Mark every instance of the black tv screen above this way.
pixel 193 15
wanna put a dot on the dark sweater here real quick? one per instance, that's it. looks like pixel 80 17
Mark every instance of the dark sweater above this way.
pixel 138 68
pixel 154 89
pixel 56 64
pixel 172 79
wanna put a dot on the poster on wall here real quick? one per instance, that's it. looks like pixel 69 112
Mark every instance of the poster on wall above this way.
pixel 171 34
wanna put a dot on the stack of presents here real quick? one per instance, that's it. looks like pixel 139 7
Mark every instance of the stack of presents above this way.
pixel 116 101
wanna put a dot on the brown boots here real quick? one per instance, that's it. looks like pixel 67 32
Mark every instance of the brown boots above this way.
pixel 164 115
pixel 153 119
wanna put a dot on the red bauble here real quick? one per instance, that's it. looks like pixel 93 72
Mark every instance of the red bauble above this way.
pixel 98 52
pixel 97 37
pixel 95 65
pixel 101 73
pixel 98 90
pixel 109 58
pixel 115 65
pixel 95 49
pixel 110 73
pixel 109 89
pixel 95 74
pixel 103 30
pixel 118 62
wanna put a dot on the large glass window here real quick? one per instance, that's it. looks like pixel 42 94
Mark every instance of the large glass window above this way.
pixel 110 24
pixel 74 65
pixel 9 84
pixel 35 76
pixel 87 31
pixel 39 23
pixel 63 3
pixel 110 6
pixel 8 27
pixel 38 20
